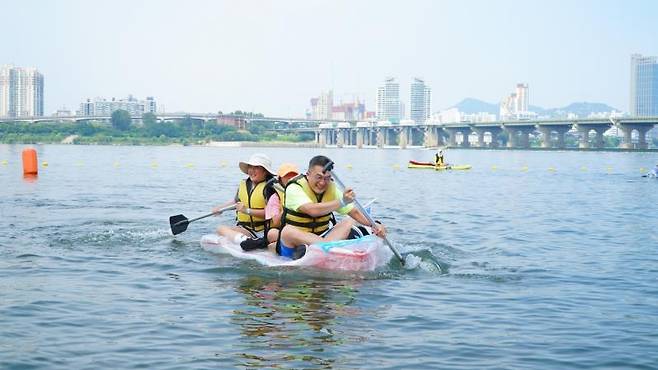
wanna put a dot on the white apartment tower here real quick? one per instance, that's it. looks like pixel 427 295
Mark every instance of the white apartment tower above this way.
pixel 420 101
pixel 388 101
pixel 21 92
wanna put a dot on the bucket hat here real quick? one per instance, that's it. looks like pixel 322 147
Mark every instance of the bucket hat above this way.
pixel 257 159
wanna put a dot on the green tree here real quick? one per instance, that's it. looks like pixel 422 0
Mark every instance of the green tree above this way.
pixel 121 120
pixel 149 119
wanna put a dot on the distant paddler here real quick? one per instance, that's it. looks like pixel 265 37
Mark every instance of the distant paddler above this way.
pixel 438 159
pixel 653 173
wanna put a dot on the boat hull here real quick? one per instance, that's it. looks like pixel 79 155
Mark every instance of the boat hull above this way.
pixel 363 254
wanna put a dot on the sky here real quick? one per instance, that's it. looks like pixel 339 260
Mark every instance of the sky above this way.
pixel 272 57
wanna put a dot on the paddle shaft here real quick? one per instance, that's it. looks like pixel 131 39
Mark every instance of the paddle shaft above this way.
pixel 208 215
pixel 367 215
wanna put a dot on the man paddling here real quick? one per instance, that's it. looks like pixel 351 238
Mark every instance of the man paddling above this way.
pixel 310 201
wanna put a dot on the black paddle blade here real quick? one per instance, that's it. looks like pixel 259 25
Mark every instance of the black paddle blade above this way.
pixel 178 224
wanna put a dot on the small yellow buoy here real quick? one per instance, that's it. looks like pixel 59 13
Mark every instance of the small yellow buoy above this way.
pixel 551 169
pixel 643 170
pixel 4 162
pixel 494 167
pixel 583 168
pixel 44 164
pixel 154 164
pixel 116 164
pixel 349 166
pixel 189 165
pixel 524 169
pixel 396 167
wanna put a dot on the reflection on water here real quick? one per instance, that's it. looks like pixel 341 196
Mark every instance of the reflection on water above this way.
pixel 285 321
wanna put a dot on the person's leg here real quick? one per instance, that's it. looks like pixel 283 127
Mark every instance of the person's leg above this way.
pixel 234 233
pixel 293 237
pixel 341 231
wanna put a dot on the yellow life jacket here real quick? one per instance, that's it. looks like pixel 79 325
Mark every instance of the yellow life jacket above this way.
pixel 254 199
pixel 303 221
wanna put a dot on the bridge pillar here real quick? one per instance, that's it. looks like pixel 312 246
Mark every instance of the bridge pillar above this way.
pixel 452 136
pixel 546 136
pixel 404 137
pixel 465 143
pixel 583 142
pixel 360 133
pixel 561 131
pixel 511 137
pixel 598 140
pixel 381 137
pixel 518 136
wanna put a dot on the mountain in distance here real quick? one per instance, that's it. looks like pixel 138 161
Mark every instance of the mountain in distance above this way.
pixel 582 109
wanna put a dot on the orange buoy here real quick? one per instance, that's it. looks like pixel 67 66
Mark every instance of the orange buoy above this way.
pixel 30 164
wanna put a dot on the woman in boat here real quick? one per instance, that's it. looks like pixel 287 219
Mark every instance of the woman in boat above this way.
pixel 250 201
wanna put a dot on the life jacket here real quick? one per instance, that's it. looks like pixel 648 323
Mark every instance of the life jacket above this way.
pixel 316 225
pixel 253 197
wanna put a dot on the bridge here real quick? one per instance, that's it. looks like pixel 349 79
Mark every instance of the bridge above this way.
pixel 514 134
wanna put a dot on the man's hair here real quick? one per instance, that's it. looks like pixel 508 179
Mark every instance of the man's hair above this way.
pixel 318 160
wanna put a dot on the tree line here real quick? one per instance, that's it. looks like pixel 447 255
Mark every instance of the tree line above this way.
pixel 124 130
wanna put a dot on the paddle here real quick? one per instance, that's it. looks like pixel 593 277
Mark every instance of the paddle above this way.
pixel 329 167
pixel 179 223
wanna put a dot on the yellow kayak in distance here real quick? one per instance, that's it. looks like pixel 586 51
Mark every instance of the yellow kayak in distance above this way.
pixel 432 166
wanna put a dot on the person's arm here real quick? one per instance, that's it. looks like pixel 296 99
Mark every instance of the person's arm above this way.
pixel 378 229
pixel 323 208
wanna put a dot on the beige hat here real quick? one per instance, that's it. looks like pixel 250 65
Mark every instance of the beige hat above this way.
pixel 287 168
pixel 257 159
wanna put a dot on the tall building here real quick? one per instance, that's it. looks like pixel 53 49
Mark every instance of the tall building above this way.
pixel 104 107
pixel 420 101
pixel 21 92
pixel 644 86
pixel 516 105
pixel 322 106
pixel 388 101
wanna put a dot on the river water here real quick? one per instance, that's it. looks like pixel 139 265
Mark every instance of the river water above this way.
pixel 549 260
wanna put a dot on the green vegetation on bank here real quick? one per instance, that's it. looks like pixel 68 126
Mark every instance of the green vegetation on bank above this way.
pixel 124 131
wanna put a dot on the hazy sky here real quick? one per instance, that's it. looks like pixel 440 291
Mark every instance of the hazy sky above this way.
pixel 273 56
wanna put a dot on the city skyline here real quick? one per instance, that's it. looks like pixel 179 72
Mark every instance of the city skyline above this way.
pixel 262 56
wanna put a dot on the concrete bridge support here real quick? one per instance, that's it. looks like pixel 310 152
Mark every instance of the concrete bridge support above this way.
pixel 642 130
pixel 434 137
pixel 518 136
pixel 405 137
pixel 360 137
pixel 452 136
pixel 584 130
pixel 546 132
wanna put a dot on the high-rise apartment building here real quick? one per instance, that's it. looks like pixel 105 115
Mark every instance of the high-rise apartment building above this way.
pixel 644 86
pixel 516 105
pixel 420 101
pixel 388 101
pixel 104 107
pixel 21 92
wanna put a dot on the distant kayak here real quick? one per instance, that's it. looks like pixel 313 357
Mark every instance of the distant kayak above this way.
pixel 432 166
pixel 363 254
